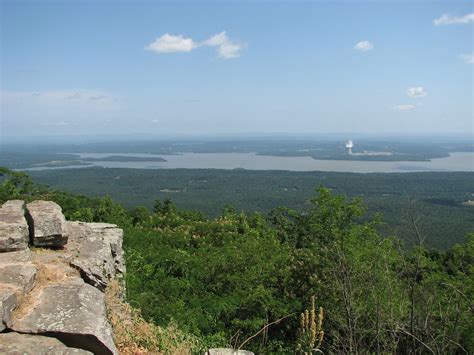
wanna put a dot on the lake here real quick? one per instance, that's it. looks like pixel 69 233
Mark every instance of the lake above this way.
pixel 456 162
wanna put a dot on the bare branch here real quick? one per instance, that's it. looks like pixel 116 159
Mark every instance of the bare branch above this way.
pixel 264 328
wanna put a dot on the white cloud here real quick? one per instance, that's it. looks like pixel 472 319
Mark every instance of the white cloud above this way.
pixel 227 49
pixel 468 58
pixel 364 46
pixel 98 97
pixel 405 107
pixel 155 121
pixel 56 96
pixel 447 19
pixel 216 40
pixel 167 43
pixel 57 124
pixel 73 96
pixel 170 44
pixel 416 92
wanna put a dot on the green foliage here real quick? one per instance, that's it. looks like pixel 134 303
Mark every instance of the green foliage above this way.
pixel 212 277
pixel 140 216
pixel 14 184
pixel 246 277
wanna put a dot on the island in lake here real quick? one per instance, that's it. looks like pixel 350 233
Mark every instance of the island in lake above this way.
pixel 123 158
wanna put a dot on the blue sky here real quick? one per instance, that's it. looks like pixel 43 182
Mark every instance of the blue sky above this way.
pixel 200 67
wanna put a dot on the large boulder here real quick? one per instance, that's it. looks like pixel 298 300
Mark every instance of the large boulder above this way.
pixel 47 224
pixel 13 226
pixel 26 344
pixel 72 312
pixel 99 254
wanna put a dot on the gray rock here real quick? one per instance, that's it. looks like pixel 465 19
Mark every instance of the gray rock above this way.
pixel 74 313
pixel 13 226
pixel 17 277
pixel 27 344
pixel 14 257
pixel 99 257
pixel 228 351
pixel 41 294
pixel 48 226
pixel 20 277
pixel 77 232
pixel 8 302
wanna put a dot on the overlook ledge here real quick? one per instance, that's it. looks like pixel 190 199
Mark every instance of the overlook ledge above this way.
pixel 53 274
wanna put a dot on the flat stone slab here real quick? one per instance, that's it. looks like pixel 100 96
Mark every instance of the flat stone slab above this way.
pixel 8 302
pixel 20 277
pixel 14 257
pixel 74 313
pixel 16 280
pixel 13 227
pixel 27 344
pixel 47 224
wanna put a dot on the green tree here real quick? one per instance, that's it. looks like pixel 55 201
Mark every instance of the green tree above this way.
pixel 140 216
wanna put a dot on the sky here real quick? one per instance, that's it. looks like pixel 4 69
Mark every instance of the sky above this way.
pixel 218 67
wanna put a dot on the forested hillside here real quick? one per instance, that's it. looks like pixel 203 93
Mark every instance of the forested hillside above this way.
pixel 435 199
pixel 290 281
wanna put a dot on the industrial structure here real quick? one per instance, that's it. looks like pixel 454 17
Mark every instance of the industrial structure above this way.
pixel 349 146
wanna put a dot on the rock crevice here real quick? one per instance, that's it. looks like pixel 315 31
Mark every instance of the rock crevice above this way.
pixel 52 293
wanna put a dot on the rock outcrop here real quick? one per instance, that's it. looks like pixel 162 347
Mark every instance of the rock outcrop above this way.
pixel 52 296
pixel 99 255
pixel 13 227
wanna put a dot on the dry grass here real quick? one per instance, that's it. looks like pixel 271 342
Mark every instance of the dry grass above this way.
pixel 50 271
pixel 134 335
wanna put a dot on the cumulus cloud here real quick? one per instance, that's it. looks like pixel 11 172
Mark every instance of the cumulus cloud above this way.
pixel 167 43
pixel 447 19
pixel 364 46
pixel 416 92
pixel 226 48
pixel 405 107
pixel 170 44
pixel 468 58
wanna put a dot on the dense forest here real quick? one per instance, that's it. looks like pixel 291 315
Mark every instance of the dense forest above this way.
pixel 289 281
pixel 435 198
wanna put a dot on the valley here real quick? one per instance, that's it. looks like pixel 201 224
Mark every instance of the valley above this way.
pixel 437 197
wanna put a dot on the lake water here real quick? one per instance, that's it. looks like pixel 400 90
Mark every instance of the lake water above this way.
pixel 456 162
